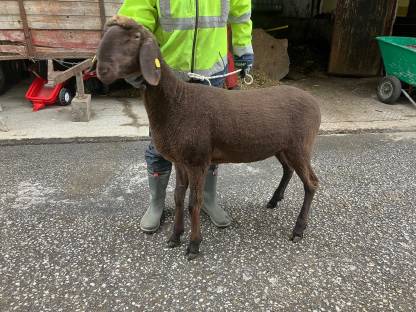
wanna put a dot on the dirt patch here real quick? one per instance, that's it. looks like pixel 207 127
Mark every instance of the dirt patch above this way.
pixel 261 80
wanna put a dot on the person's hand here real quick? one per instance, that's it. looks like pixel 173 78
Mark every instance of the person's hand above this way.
pixel 245 63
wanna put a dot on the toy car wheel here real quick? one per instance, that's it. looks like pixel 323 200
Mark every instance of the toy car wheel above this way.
pixel 389 90
pixel 2 80
pixel 65 97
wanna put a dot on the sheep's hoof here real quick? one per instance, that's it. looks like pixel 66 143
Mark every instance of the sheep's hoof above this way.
pixel 172 243
pixel 295 237
pixel 191 256
pixel 273 202
pixel 192 251
pixel 271 205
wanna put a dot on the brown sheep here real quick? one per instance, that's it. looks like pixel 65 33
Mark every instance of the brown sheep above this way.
pixel 194 125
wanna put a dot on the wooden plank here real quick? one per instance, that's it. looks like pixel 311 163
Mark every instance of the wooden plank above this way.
pixel 9 8
pixel 13 49
pixel 63 53
pixel 45 50
pixel 80 8
pixel 64 22
pixel 46 8
pixel 65 75
pixel 71 39
pixel 6 57
pixel 19 52
pixel 354 48
pixel 10 22
pixel 56 14
pixel 15 36
pixel 111 9
pixel 84 1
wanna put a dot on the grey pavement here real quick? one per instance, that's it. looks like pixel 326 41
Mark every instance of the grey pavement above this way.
pixel 70 237
pixel 348 105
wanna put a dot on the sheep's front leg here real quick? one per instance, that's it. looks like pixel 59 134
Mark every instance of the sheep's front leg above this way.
pixel 196 180
pixel 180 192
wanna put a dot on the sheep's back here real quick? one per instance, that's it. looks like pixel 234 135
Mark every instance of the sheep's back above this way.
pixel 261 120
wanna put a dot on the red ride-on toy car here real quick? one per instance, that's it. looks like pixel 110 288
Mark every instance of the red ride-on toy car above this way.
pixel 41 95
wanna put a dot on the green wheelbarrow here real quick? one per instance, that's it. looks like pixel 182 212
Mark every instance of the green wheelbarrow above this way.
pixel 399 58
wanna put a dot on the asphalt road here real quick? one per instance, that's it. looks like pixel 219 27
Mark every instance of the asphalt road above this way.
pixel 70 237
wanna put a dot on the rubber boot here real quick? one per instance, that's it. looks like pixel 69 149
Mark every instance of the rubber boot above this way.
pixel 217 215
pixel 158 183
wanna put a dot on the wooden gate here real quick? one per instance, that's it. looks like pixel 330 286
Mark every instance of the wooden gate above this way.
pixel 43 29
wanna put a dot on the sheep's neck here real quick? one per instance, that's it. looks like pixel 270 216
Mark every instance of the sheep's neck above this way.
pixel 164 100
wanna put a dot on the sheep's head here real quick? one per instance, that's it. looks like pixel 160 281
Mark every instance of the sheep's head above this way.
pixel 127 49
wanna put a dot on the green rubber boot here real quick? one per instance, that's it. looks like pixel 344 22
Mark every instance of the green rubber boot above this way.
pixel 157 184
pixel 217 215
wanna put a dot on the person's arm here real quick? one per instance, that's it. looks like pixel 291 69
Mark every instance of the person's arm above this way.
pixel 142 11
pixel 241 26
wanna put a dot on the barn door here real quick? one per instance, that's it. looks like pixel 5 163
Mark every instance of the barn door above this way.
pixel 357 22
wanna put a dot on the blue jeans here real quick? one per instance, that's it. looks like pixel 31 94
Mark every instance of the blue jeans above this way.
pixel 155 162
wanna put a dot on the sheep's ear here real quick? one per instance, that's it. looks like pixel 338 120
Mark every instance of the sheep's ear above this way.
pixel 150 62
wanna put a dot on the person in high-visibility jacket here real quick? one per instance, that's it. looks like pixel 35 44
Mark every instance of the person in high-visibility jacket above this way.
pixel 192 36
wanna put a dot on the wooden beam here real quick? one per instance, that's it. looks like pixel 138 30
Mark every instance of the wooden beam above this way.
pixel 102 13
pixel 28 37
pixel 65 75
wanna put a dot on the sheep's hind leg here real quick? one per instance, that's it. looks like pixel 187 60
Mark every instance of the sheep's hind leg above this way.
pixel 310 183
pixel 287 175
pixel 180 192
pixel 196 181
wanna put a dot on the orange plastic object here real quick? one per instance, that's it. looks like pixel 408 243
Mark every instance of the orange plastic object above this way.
pixel 231 82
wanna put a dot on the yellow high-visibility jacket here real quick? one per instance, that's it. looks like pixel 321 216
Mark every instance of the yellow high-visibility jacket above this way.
pixel 192 34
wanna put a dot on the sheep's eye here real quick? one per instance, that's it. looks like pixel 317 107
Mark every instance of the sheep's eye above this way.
pixel 137 36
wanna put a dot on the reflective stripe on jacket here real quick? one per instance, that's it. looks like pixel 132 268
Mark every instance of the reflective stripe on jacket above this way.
pixel 192 34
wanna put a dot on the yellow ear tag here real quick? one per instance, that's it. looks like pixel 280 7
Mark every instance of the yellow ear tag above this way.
pixel 157 62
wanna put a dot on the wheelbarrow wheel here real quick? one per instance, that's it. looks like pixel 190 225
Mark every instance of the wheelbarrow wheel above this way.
pixel 65 97
pixel 389 90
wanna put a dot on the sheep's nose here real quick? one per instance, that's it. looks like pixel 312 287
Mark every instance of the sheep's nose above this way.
pixel 105 73
pixel 103 70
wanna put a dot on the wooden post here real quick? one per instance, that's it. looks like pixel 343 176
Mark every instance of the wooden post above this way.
pixel 102 13
pixel 80 86
pixel 81 103
pixel 28 36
